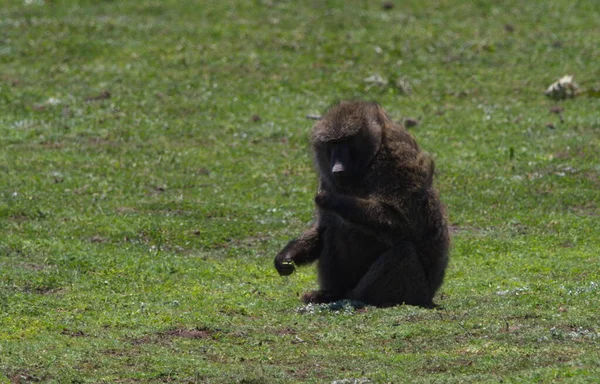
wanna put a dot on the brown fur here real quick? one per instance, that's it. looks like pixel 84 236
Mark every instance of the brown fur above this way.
pixel 381 236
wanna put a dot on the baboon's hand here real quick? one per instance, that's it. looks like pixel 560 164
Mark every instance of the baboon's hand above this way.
pixel 301 251
pixel 325 200
pixel 283 262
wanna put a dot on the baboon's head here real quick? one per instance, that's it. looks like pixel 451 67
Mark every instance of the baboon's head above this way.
pixel 346 140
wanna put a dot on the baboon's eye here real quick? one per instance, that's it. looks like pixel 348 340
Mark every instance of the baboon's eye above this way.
pixel 352 153
pixel 329 151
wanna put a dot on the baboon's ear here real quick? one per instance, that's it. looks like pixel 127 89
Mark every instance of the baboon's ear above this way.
pixel 382 116
pixel 379 119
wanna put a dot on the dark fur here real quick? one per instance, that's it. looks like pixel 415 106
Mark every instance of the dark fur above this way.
pixel 382 237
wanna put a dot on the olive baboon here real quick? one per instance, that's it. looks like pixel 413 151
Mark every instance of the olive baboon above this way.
pixel 380 233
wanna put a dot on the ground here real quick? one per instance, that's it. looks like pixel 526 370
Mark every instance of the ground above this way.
pixel 154 158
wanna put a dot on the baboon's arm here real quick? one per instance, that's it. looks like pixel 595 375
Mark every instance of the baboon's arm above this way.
pixel 303 250
pixel 372 216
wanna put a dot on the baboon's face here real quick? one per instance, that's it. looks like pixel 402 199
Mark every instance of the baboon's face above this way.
pixel 346 161
pixel 345 142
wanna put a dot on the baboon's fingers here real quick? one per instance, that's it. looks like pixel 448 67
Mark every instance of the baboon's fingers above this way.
pixel 284 269
pixel 283 263
pixel 311 297
pixel 319 297
pixel 324 200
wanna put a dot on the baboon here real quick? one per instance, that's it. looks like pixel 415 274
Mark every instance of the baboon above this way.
pixel 380 233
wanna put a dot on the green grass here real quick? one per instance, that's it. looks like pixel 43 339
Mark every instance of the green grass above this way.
pixel 138 226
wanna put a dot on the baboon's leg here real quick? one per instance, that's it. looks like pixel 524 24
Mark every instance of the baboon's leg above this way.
pixel 332 284
pixel 396 277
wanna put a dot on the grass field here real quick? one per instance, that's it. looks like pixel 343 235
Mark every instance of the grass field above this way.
pixel 154 158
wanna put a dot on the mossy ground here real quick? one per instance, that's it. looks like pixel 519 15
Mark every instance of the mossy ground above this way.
pixel 154 159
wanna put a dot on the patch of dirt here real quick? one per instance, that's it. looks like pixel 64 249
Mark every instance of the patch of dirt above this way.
pixel 10 80
pixel 24 377
pixel 299 373
pixel 201 172
pixel 52 145
pixel 175 212
pixel 19 217
pixel 114 352
pixel 100 141
pixel 593 177
pixel 566 244
pixel 569 154
pixel 34 267
pixel 455 228
pixel 286 331
pixel 519 228
pixel 155 190
pixel 511 328
pixel 195 333
pixel 24 216
pixel 246 242
pixel 101 96
pixel 524 317
pixel 98 239
pixel 251 240
pixel 126 210
pixel 147 339
pixel 42 290
pixel 436 366
pixel 69 332
pixel 586 210
pixel 80 190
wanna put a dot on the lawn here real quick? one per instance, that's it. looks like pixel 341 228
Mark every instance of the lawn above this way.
pixel 154 159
